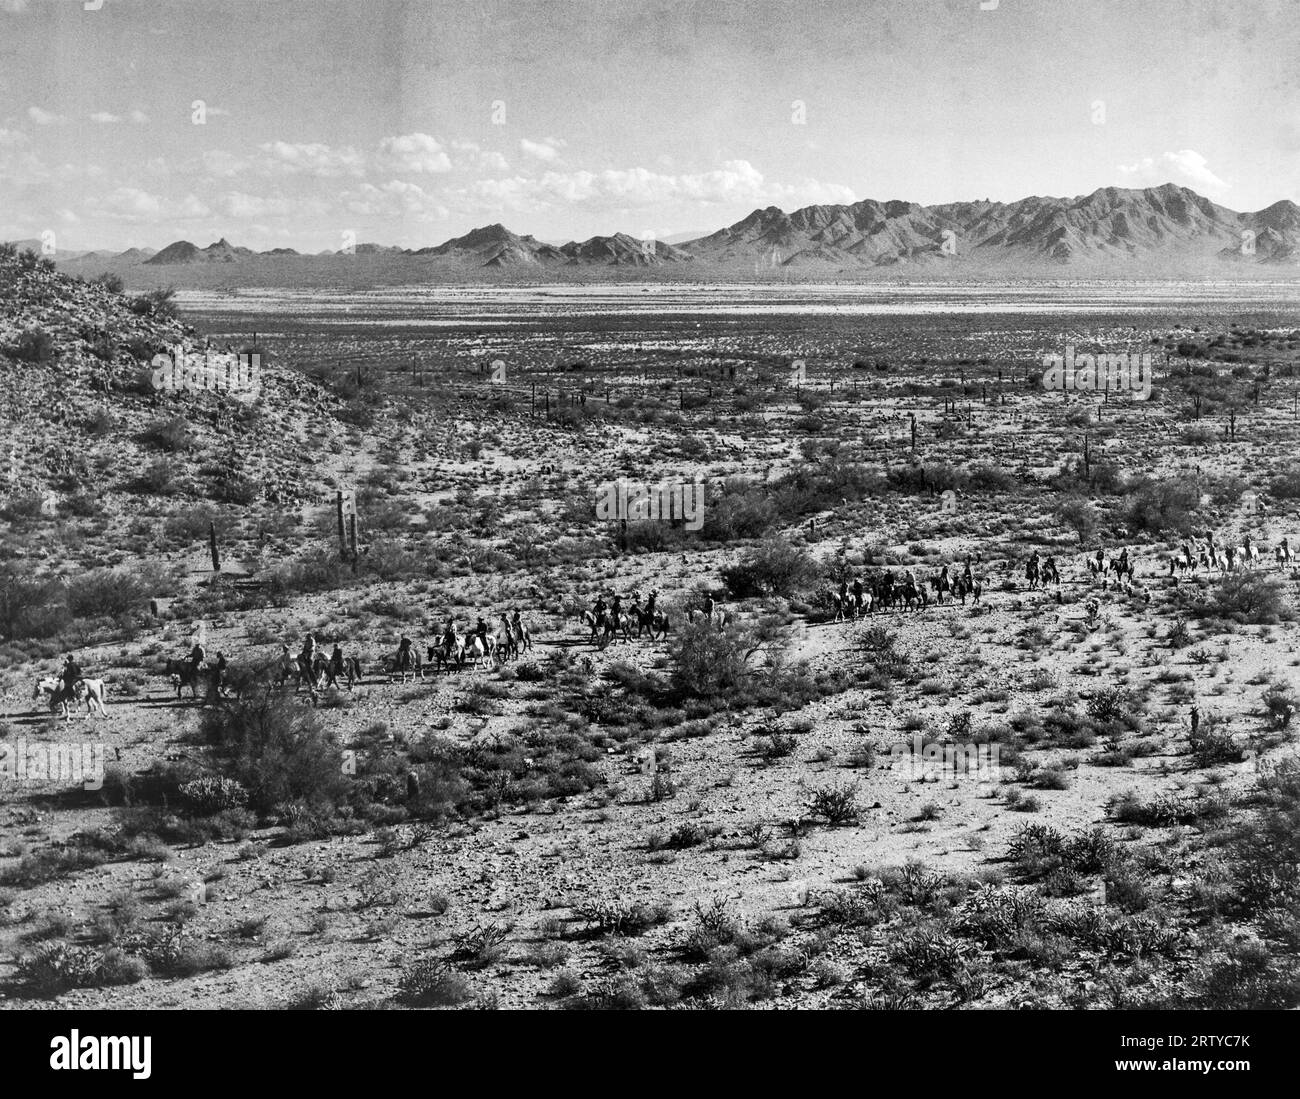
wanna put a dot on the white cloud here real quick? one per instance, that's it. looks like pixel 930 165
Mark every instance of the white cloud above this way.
pixel 104 118
pixel 136 205
pixel 218 162
pixel 736 181
pixel 1185 166
pixel 414 153
pixel 471 155
pixel 13 7
pixel 396 198
pixel 44 118
pixel 240 204
pixel 139 117
pixel 548 150
pixel 313 158
pixel 11 139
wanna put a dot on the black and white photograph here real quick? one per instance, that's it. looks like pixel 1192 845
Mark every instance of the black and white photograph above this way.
pixel 557 506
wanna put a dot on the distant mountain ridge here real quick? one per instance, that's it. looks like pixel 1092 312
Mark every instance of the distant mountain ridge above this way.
pixel 1112 228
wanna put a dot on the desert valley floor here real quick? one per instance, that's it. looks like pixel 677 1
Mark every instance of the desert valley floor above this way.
pixel 728 814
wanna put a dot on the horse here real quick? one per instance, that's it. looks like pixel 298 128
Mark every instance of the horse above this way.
pixel 505 639
pixel 92 692
pixel 476 650
pixel 655 621
pixel 523 640
pixel 444 653
pixel 351 671
pixel 50 687
pixel 1282 554
pixel 406 662
pixel 183 673
pixel 1032 573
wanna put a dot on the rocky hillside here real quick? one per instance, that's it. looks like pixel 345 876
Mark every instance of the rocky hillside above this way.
pixel 86 430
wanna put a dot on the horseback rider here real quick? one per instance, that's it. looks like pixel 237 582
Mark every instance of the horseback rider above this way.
pixel 598 610
pixel 334 668
pixel 197 655
pixel 69 676
pixel 616 608
pixel 650 603
pixel 404 652
pixel 219 675
pixel 449 636
pixel 482 631
pixel 517 623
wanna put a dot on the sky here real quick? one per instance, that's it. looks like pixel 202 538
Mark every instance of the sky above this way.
pixel 312 123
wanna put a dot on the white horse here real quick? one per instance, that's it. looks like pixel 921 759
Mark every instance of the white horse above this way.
pixel 482 655
pixel 92 692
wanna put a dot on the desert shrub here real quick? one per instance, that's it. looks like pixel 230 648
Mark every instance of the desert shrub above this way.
pixel 277 750
pixel 159 303
pixel 1286 485
pixel 835 804
pixel 774 567
pixel 1080 516
pixel 731 515
pixel 1159 506
pixel 1245 598
pixel 31 608
pixel 1279 705
pixel 213 794
pixel 432 983
pixel 158 478
pixel 927 953
pixel 1244 976
pixel 49 865
pixel 106 592
pixel 173 435
pixel 34 345
pixel 56 967
pixel 709 662
pixel 319 570
pixel 613 917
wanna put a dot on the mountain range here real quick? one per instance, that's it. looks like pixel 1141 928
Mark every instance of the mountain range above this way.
pixel 1125 230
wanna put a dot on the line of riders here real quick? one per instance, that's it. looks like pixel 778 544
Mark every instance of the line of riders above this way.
pixel 607 620
pixel 1228 558
pixel 313 668
pixel 884 591
pixel 486 647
